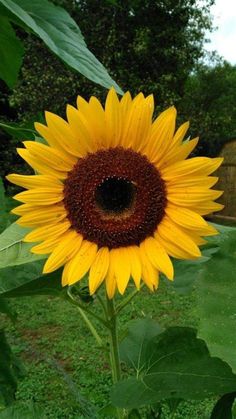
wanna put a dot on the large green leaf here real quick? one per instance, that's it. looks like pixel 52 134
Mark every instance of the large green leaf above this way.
pixel 177 365
pixel 62 35
pixel 13 251
pixel 26 280
pixel 11 53
pixel 133 349
pixel 217 300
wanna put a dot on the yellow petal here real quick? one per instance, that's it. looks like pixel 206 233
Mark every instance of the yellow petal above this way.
pixel 79 130
pixel 180 134
pixel 50 156
pixel 81 262
pixel 61 129
pixel 121 268
pixel 170 232
pixel 64 277
pixel 33 181
pixel 172 248
pixel 183 182
pixel 99 269
pixel 207 207
pixel 47 134
pixel 113 119
pixel 69 245
pixel 178 154
pixel 185 217
pixel 37 216
pixel 158 257
pixel 125 104
pixel 93 116
pixel 135 264
pixel 45 232
pixel 150 274
pixel 161 134
pixel 41 167
pixel 138 123
pixel 197 166
pixel 191 196
pixel 41 196
pixel 110 278
pixel 47 246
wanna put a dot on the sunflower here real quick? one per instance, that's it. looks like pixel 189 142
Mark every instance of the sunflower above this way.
pixel 113 196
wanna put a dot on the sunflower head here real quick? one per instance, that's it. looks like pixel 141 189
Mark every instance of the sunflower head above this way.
pixel 114 196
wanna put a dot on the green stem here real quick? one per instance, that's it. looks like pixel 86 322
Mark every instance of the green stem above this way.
pixel 72 300
pixel 91 327
pixel 114 348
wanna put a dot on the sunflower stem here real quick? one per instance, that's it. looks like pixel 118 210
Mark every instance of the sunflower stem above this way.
pixel 114 348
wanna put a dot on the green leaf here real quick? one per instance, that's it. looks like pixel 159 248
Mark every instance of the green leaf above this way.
pixel 10 370
pixel 22 411
pixel 13 251
pixel 216 300
pixel 133 349
pixel 177 365
pixel 62 35
pixel 223 408
pixel 17 131
pixel 27 280
pixel 11 53
pixel 3 208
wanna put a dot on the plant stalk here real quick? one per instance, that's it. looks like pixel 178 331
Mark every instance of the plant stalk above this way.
pixel 114 348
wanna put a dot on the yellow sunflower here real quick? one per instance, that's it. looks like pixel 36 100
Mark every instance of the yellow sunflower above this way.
pixel 114 196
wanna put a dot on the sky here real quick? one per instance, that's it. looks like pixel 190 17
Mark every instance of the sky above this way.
pixel 223 39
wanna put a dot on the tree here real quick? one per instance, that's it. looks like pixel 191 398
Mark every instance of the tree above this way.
pixel 209 102
pixel 146 45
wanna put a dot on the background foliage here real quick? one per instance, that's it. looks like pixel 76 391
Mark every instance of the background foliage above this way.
pixel 153 46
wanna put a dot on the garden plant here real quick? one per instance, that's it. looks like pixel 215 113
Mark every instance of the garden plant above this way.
pixel 115 203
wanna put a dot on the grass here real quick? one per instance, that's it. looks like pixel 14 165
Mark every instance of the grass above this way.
pixel 64 366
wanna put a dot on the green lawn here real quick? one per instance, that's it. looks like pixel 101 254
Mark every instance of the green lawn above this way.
pixel 62 362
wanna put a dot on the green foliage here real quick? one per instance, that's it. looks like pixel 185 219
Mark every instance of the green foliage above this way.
pixel 29 281
pixel 61 34
pixel 10 370
pixel 148 46
pixel 11 52
pixel 3 208
pixel 133 349
pixel 223 408
pixel 216 299
pixel 22 411
pixel 209 102
pixel 7 309
pixel 175 364
pixel 13 251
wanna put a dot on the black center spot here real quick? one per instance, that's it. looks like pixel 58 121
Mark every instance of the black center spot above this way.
pixel 115 195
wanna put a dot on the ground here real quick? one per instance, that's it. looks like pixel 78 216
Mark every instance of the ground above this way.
pixel 63 365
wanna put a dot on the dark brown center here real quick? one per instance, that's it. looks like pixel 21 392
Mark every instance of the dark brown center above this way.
pixel 115 197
